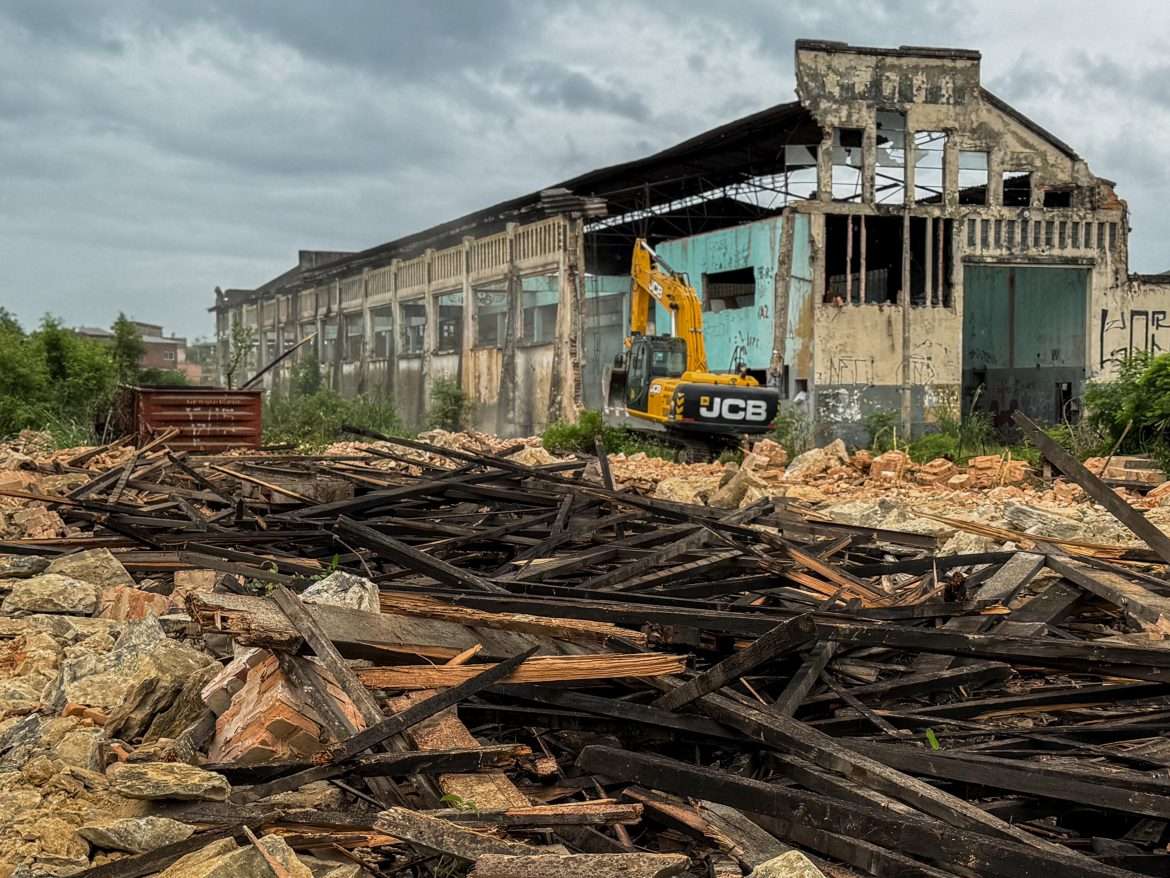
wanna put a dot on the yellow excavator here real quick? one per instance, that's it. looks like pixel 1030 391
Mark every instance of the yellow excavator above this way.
pixel 661 383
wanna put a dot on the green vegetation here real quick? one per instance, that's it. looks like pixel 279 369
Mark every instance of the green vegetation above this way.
pixel 53 380
pixel 314 420
pixel 792 430
pixel 564 437
pixel 450 408
pixel 1132 412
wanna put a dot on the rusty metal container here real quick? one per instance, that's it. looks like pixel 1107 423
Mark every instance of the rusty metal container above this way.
pixel 209 419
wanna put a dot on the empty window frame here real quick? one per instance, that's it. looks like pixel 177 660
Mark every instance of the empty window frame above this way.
pixel 412 322
pixel 382 330
pixel 355 330
pixel 1058 197
pixel 491 316
pixel 929 179
pixel 1017 189
pixel 890 164
pixel 973 176
pixel 863 259
pixel 800 170
pixel 329 341
pixel 728 290
pixel 931 261
pixel 538 310
pixel 449 322
pixel 846 163
pixel 313 348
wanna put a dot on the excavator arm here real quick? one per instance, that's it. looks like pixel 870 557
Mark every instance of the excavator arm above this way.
pixel 653 280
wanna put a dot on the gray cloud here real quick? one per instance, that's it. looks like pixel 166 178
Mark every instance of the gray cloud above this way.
pixel 151 151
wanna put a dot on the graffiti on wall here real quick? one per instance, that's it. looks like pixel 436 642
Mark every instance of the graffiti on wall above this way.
pixel 1124 333
pixel 851 370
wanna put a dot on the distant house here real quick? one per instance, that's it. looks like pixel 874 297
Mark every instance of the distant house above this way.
pixel 161 352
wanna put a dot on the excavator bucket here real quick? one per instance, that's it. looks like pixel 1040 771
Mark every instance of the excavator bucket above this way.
pixel 615 384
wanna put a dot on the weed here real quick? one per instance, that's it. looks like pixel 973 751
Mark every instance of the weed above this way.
pixel 450 408
pixel 792 430
pixel 580 437
pixel 882 427
pixel 314 420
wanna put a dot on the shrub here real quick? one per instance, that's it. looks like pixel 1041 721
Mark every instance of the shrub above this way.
pixel 579 437
pixel 315 420
pixel 1133 411
pixel 882 427
pixel 792 430
pixel 450 407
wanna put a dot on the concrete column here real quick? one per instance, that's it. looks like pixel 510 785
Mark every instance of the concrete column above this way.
pixel 467 371
pixel 904 300
pixel 395 329
pixel 825 166
pixel 430 333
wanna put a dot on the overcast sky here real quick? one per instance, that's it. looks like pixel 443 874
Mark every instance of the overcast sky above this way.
pixel 152 150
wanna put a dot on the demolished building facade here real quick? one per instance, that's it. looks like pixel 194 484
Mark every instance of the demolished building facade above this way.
pixel 898 239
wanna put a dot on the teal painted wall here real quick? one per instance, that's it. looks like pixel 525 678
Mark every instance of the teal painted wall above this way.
pixel 798 343
pixel 1023 333
pixel 741 334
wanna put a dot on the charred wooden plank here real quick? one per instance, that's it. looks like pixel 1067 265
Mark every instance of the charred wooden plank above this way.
pixel 785 637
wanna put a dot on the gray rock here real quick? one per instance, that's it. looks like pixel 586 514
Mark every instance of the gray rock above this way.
pixel 188 864
pixel 1042 522
pixel 22 566
pixel 96 566
pixel 51 593
pixel 246 862
pixel 143 676
pixel 167 780
pixel 792 864
pixel 341 589
pixel 135 835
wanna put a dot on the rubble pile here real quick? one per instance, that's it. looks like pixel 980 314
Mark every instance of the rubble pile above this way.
pixel 457 655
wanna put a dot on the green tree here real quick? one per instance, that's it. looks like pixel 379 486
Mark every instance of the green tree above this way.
pixel 9 323
pixel 240 344
pixel 128 350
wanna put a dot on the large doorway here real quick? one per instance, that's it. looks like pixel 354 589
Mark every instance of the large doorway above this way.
pixel 1024 340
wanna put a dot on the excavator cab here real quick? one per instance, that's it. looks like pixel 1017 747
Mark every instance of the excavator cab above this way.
pixel 652 357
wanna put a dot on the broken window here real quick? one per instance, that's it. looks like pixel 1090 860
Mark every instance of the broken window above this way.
pixel 863 259
pixel 314 347
pixel 972 176
pixel 890 170
pixel 449 316
pixel 847 162
pixel 351 350
pixel 931 261
pixel 727 290
pixel 1058 197
pixel 800 170
pixel 382 328
pixel 413 323
pixel 1017 189
pixel 538 309
pixel 929 149
pixel 491 316
pixel 271 348
pixel 329 341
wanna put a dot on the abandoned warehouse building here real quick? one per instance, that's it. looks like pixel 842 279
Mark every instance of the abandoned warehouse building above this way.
pixel 898 239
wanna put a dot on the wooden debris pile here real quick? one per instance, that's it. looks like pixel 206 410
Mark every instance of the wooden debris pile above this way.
pixel 506 669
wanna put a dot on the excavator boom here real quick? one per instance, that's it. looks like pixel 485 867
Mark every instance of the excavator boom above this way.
pixel 653 280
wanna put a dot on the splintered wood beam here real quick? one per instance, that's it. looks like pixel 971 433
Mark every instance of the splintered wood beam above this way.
pixel 1095 488
pixel 806 676
pixel 338 755
pixel 972 852
pixel 792 736
pixel 427 607
pixel 1151 610
pixel 412 558
pixel 1002 586
pixel 445 836
pixel 635 865
pixel 972 675
pixel 539 669
pixel 604 812
pixel 1007 774
pixel 784 638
